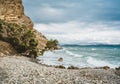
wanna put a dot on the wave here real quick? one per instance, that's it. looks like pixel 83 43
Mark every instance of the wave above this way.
pixel 93 49
pixel 99 63
pixel 73 54
pixel 91 45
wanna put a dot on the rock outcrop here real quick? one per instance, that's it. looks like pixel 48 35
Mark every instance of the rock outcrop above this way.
pixel 12 11
pixel 6 49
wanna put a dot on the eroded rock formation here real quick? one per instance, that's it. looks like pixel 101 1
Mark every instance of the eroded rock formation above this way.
pixel 12 11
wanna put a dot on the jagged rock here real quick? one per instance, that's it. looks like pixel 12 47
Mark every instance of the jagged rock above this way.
pixel 13 11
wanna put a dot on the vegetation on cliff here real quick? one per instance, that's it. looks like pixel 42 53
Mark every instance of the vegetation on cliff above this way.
pixel 52 44
pixel 17 28
pixel 20 37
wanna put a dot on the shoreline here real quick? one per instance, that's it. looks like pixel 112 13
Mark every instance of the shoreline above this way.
pixel 22 70
pixel 88 61
pixel 75 67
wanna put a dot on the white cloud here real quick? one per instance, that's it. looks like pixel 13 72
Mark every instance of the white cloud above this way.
pixel 50 12
pixel 75 32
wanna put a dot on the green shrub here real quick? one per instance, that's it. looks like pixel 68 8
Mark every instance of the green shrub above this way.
pixel 20 37
pixel 52 44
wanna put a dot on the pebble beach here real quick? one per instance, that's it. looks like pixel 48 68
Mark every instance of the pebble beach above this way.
pixel 22 70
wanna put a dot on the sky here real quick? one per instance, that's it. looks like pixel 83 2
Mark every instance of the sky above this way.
pixel 76 21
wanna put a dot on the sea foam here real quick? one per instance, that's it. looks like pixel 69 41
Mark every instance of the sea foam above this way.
pixel 73 54
pixel 99 63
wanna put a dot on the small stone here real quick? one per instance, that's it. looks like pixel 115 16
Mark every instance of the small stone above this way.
pixel 60 59
pixel 118 68
pixel 59 82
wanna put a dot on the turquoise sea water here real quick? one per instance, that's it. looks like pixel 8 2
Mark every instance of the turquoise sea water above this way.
pixel 84 56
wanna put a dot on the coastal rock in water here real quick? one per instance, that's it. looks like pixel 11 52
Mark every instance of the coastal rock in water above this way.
pixel 60 59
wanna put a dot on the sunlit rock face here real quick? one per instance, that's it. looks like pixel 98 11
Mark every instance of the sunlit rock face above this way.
pixel 13 11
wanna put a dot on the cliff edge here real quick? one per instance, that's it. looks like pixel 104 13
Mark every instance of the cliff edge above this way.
pixel 12 11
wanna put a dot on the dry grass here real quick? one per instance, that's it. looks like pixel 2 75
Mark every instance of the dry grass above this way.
pixel 6 48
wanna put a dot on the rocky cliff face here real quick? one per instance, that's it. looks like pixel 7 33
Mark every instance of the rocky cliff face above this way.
pixel 13 11
pixel 11 7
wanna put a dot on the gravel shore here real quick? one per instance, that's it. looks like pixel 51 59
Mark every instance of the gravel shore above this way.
pixel 21 70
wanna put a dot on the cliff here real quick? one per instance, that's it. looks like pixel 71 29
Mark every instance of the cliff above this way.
pixel 12 11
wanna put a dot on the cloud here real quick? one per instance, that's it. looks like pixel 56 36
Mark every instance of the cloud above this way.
pixel 75 32
pixel 77 21
pixel 66 10
pixel 50 12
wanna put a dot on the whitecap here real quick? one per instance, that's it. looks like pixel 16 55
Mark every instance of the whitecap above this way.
pixel 76 55
pixel 69 53
pixel 99 63
pixel 73 54
pixel 93 49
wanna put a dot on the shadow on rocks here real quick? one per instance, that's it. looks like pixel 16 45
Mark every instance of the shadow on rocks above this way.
pixel 104 67
pixel 60 66
pixel 72 67
pixel 117 72
pixel 3 75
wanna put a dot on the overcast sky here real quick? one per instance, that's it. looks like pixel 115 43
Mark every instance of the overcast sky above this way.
pixel 76 21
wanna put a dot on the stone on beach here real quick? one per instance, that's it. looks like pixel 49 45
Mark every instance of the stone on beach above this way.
pixel 60 66
pixel 118 71
pixel 72 67
pixel 60 59
pixel 21 70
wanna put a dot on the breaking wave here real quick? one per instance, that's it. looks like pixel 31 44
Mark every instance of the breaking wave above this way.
pixel 73 54
pixel 99 63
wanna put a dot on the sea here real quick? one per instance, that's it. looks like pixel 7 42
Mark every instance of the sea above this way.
pixel 83 56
